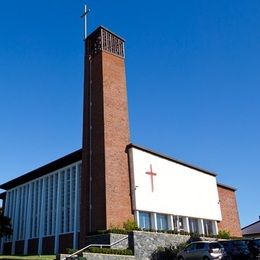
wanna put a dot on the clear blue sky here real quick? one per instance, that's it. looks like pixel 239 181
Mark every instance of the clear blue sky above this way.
pixel 192 76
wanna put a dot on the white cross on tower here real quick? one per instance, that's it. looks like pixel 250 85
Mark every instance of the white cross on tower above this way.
pixel 86 11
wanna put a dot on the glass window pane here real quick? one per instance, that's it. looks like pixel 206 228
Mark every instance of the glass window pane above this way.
pixel 194 226
pixel 162 222
pixel 144 220
pixel 208 227
pixel 200 245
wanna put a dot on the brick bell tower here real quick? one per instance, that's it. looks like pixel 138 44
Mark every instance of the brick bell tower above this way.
pixel 105 181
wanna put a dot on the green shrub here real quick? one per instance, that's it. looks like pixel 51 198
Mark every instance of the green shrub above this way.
pixel 182 232
pixel 174 231
pixel 70 250
pixel 116 230
pixel 167 253
pixel 110 251
pixel 149 230
pixel 181 246
pixel 130 225
pixel 194 237
pixel 224 234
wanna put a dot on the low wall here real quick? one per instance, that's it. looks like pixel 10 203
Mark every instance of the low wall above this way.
pixel 94 256
pixel 145 243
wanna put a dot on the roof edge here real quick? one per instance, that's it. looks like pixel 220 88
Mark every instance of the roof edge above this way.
pixel 43 170
pixel 131 145
pixel 226 186
pixel 251 225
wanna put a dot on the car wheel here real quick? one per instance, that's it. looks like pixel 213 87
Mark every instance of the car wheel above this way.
pixel 180 258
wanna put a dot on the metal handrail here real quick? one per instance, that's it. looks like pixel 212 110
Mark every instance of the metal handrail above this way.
pixel 100 245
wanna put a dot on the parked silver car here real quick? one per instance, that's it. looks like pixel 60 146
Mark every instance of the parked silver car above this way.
pixel 203 250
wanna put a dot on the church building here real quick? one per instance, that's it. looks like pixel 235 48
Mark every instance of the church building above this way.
pixel 110 180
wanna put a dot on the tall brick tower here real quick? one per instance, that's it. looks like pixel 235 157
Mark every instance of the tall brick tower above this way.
pixel 105 185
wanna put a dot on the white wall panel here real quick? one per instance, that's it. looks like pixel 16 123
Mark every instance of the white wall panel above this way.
pixel 178 189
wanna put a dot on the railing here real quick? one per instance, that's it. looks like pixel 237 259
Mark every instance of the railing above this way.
pixel 72 256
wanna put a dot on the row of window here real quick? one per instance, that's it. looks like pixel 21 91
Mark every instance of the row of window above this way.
pixel 46 206
pixel 148 220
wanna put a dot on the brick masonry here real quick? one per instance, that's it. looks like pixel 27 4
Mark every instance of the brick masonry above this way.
pixel 230 218
pixel 7 248
pixel 48 245
pixel 33 246
pixel 65 241
pixel 19 245
pixel 104 160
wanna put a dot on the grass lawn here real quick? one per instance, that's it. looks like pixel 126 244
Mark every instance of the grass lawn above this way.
pixel 29 257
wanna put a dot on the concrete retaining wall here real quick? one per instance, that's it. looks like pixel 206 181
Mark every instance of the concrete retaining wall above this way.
pixel 145 243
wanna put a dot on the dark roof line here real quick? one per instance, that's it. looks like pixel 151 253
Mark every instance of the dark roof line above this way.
pixel 47 168
pixel 77 156
pixel 226 186
pixel 170 159
pixel 251 224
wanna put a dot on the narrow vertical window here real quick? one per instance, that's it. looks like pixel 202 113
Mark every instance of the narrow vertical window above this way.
pixel 62 202
pixel 208 227
pixel 162 223
pixel 194 225
pixel 68 198
pixel 144 220
pixel 46 206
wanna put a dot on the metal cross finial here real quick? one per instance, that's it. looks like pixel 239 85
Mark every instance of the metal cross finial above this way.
pixel 86 11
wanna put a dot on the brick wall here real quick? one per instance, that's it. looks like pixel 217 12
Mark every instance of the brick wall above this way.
pixel 66 241
pixel 7 248
pixel 48 245
pixel 230 218
pixel 19 245
pixel 33 246
pixel 118 202
pixel 105 107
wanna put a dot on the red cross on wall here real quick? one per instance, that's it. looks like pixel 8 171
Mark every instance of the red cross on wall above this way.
pixel 151 173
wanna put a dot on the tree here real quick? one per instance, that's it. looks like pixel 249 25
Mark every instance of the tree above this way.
pixel 5 226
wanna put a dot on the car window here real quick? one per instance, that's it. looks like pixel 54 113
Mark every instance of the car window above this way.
pixel 190 247
pixel 200 246
pixel 239 243
pixel 256 242
pixel 225 244
pixel 214 245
